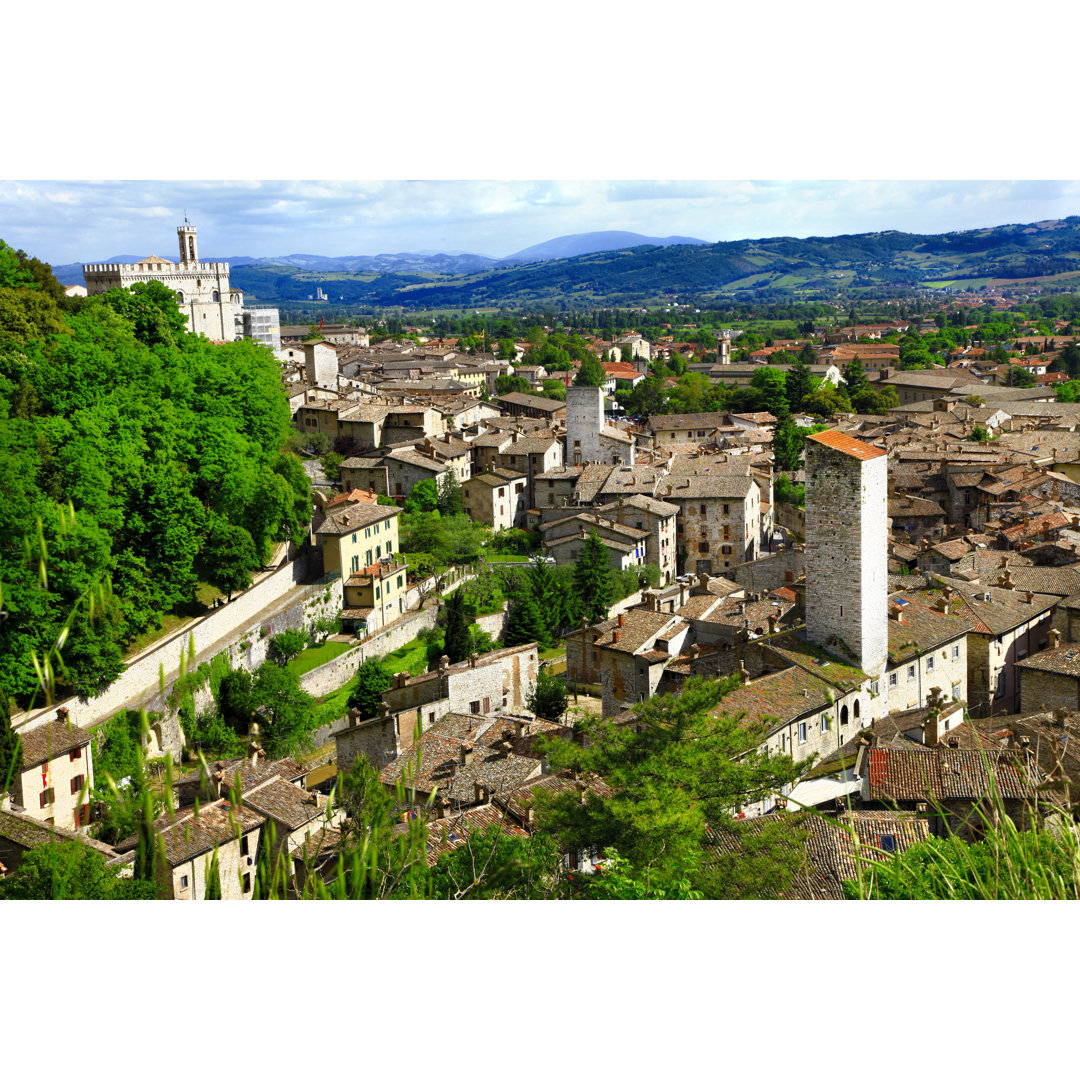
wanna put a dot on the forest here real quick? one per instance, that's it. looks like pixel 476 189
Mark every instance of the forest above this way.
pixel 138 463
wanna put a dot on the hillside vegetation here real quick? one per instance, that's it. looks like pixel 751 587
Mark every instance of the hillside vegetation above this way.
pixel 129 451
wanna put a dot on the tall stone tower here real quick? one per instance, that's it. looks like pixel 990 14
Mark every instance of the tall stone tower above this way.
pixel 189 244
pixel 847 549
pixel 584 423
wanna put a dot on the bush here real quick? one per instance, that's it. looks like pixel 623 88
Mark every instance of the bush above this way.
pixel 286 645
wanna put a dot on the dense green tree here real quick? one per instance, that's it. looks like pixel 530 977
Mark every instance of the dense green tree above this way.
pixel 771 384
pixel 450 501
pixel 497 864
pixel 682 767
pixel 372 680
pixel 423 497
pixel 869 400
pixel 229 557
pixel 590 373
pixel 285 646
pixel 10 744
pixel 456 642
pixel 799 379
pixel 234 700
pixel 855 376
pixel 151 309
pixel 548 697
pixel 70 870
pixel 592 579
pixel 788 441
pixel 285 707
pixel 524 622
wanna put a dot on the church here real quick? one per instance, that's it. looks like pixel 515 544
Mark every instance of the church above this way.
pixel 202 288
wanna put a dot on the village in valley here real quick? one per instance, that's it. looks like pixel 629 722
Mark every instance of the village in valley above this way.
pixel 849 544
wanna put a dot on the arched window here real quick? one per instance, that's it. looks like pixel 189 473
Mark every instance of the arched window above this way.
pixel 844 715
pixel 198 283
pixel 216 296
pixel 179 296
pixel 856 708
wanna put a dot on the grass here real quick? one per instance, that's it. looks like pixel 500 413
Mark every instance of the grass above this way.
pixel 411 657
pixel 334 704
pixel 506 558
pixel 317 656
pixel 556 652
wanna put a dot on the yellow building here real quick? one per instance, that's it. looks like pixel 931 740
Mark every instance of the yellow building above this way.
pixel 355 537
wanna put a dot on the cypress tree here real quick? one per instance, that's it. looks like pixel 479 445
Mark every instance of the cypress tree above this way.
pixel 456 641
pixel 524 622
pixel 592 579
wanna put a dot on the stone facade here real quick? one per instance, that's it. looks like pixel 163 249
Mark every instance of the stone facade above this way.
pixel 719 520
pixel 202 289
pixel 909 682
pixel 847 549
pixel 588 437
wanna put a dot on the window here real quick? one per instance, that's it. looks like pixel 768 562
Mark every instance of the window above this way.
pixel 892 678
pixel 911 672
pixel 378 551
pixel 703 547
pixel 856 708
pixel 875 689
pixel 46 798
pixel 802 731
pixel 82 815
pixel 355 563
pixel 474 706
pixel 841 611
pixel 956 652
pixel 844 715
pixel 888 843
pixel 399 581
pixel 183 881
pixel 824 722
pixel 726 549
pixel 77 783
pixel 929 663
pixel 376 592
pixel 243 845
pixel 247 883
pixel 727 508
pixel 75 754
pixel 355 537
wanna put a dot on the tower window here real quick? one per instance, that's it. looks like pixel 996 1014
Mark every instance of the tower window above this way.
pixel 841 611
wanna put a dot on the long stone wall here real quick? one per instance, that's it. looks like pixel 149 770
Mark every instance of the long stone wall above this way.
pixel 769 572
pixel 226 627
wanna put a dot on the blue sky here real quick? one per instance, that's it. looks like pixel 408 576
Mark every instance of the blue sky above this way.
pixel 73 221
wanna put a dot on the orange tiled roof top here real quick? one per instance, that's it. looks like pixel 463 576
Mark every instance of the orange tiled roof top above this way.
pixel 837 440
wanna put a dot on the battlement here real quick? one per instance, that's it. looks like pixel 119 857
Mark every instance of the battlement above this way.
pixel 156 269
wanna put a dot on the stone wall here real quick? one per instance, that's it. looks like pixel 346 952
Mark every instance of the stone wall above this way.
pixel 219 629
pixel 790 517
pixel 1045 690
pixel 770 571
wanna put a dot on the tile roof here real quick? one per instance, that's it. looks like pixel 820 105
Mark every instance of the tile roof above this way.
pixel 705 487
pixel 924 627
pixel 1064 660
pixel 187 834
pixel 855 448
pixel 278 799
pixel 445 834
pixel 51 739
pixel 1005 610
pixel 639 626
pixel 253 774
pixel 777 698
pixel 902 775
pixel 834 848
pixel 348 519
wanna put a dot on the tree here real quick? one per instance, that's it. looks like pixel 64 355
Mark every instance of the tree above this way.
pixel 590 373
pixel 234 700
pixel 788 441
pixel 771 383
pixel 681 767
pixel 229 557
pixel 592 578
pixel 550 594
pixel 496 864
pixel 285 646
pixel 11 757
pixel 151 309
pixel 372 679
pixel 450 501
pixel 855 376
pixel 456 642
pixel 799 379
pixel 423 497
pixel 548 697
pixel 331 466
pixel 1022 377
pixel 69 870
pixel 524 622
pixel 285 707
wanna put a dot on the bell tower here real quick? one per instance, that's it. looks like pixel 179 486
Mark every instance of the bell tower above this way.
pixel 189 247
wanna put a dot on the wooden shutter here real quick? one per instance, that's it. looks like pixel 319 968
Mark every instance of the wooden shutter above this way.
pixel 487 705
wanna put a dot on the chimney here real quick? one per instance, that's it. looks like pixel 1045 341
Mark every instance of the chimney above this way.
pixel 466 753
pixel 622 619
pixel 521 728
pixel 473 657
pixel 694 651
pixel 480 792
pixel 954 742
pixel 615 637
pixel 744 675
pixel 898 615
pixel 1030 597
pixel 61 715
pixel 1054 639
pixel 444 662
pixel 924 544
pixel 772 624
pixel 528 815
pixel 440 808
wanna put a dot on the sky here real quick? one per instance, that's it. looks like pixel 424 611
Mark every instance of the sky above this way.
pixel 78 221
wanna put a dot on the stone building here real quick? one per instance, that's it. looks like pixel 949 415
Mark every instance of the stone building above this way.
pixel 658 519
pixel 588 436
pixel 847 549
pixel 202 289
pixel 57 773
pixel 498 498
pixel 354 536
pixel 1050 679
pixel 719 519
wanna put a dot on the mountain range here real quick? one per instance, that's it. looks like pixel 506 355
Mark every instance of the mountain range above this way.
pixel 593 269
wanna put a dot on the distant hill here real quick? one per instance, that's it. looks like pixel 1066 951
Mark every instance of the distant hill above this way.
pixel 771 269
pixel 567 247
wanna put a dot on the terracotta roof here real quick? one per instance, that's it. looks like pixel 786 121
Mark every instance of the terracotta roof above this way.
pixel 901 775
pixel 48 741
pixel 855 448
pixel 348 519
pixel 188 835
pixel 278 799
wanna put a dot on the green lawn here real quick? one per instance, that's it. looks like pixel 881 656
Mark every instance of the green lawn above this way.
pixel 558 652
pixel 334 704
pixel 321 654
pixel 411 657
pixel 506 558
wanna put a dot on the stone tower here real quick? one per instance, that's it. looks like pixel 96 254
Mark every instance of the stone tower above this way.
pixel 189 244
pixel 584 423
pixel 847 549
